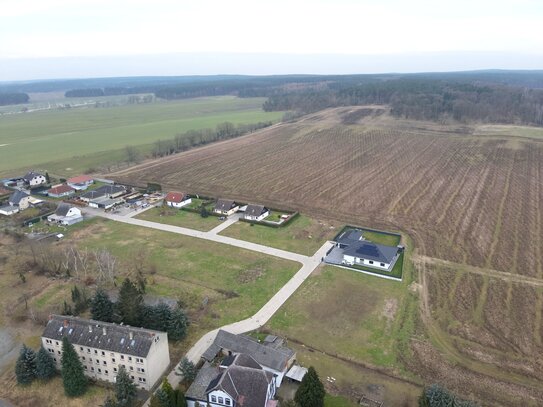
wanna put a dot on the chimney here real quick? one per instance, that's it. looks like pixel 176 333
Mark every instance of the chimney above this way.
pixel 90 328
pixel 130 335
pixel 65 323
pixel 103 330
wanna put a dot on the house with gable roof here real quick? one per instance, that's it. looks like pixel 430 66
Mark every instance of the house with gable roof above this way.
pixel 177 199
pixel 66 215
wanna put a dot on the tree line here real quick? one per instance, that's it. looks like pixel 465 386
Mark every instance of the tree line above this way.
pixel 13 98
pixel 424 99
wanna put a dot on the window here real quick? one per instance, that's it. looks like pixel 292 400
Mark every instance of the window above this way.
pixel 382 264
pixel 106 372
pixel 122 357
pixel 50 350
pixel 113 360
pixel 139 360
pixel 104 362
pixel 92 368
pixel 131 368
pixel 227 401
pixel 371 261
pixel 143 379
pixel 55 359
pixel 85 367
pixel 130 358
pixel 111 354
pixel 221 401
pixel 88 350
pixel 99 370
pixel 95 352
pixel 115 369
pixel 132 377
pixel 58 352
pixel 83 357
pixel 213 399
pixel 56 343
pixel 97 361
pixel 103 353
pixel 141 369
pixel 81 348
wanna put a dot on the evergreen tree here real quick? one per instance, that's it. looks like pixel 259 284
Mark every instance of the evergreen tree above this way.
pixel 155 400
pixel 45 365
pixel 47 178
pixel 25 368
pixel 163 399
pixel 186 369
pixel 79 299
pixel 130 303
pixel 178 399
pixel 311 391
pixel 125 390
pixel 101 306
pixel 73 377
pixel 203 212
pixel 178 325
pixel 162 316
pixel 167 388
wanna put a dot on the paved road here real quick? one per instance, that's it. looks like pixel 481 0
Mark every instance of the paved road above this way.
pixel 266 312
pixel 227 223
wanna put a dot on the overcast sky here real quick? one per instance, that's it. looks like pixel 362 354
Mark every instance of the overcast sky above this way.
pixel 74 38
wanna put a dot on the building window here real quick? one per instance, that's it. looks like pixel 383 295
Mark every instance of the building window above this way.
pixel 56 343
pixel 95 352
pixel 88 350
pixel 50 350
pixel 92 368
pixel 104 362
pixel 97 361
pixel 111 354
pixel 113 360
pixel 131 368
pixel 103 353
pixel 122 357
pixel 382 264
pixel 227 401
pixel 55 359
pixel 58 352
pixel 141 369
pixel 132 377
pixel 130 358
pixel 81 348
pixel 85 367
pixel 213 399
pixel 371 261
pixel 115 369
pixel 99 370
pixel 83 357
pixel 106 372
pixel 139 360
pixel 221 401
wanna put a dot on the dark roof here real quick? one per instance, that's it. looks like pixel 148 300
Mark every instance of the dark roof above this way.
pixel 225 205
pixel 93 194
pixel 17 196
pixel 104 190
pixel 30 176
pixel 271 357
pixel 60 189
pixel 206 374
pixel 62 209
pixel 246 385
pixel 227 361
pixel 255 210
pixel 372 251
pixel 87 332
pixel 176 197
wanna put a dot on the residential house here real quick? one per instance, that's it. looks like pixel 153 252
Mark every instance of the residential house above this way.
pixel 177 199
pixel 81 182
pixel 20 199
pixel 104 347
pixel 226 207
pixel 60 191
pixel 256 212
pixel 238 381
pixel 271 354
pixel 66 215
pixel 104 197
pixel 34 179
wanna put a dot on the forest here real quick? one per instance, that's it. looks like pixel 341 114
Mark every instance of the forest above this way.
pixel 13 98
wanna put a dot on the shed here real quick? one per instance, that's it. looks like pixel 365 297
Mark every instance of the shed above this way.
pixel 296 373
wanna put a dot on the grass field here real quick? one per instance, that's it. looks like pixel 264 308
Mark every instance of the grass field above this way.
pixel 302 235
pixel 349 316
pixel 467 195
pixel 178 217
pixel 33 139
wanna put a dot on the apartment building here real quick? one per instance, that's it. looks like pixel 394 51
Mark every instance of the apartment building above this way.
pixel 104 347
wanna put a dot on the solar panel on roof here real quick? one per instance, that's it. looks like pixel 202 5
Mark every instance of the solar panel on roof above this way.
pixel 369 250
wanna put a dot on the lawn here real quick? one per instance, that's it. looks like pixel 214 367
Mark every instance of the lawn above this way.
pixel 381 238
pixel 397 270
pixel 179 217
pixel 346 313
pixel 302 235
pixel 67 136
pixel 219 284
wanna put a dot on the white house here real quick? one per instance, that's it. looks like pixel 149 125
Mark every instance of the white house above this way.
pixel 33 179
pixel 226 207
pixel 271 354
pixel 358 251
pixel 20 199
pixel 81 182
pixel 256 212
pixel 66 215
pixel 60 191
pixel 8 210
pixel 103 348
pixel 238 382
pixel 177 199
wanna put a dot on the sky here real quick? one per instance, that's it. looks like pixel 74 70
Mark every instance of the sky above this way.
pixel 75 38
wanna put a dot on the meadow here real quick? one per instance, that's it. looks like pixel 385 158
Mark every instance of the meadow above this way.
pixel 466 195
pixel 68 141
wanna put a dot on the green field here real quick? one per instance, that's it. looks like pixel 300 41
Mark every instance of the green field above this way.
pixel 178 217
pixel 81 138
pixel 302 235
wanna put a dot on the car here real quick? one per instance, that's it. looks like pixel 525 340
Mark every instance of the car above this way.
pixel 222 218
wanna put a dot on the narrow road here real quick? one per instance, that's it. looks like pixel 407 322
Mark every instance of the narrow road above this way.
pixel 266 312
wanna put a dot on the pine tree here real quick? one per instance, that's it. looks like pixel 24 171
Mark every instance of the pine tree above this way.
pixel 47 178
pixel 311 391
pixel 73 377
pixel 178 399
pixel 155 400
pixel 178 325
pixel 162 316
pixel 45 365
pixel 101 306
pixel 163 399
pixel 167 389
pixel 130 303
pixel 125 390
pixel 186 369
pixel 25 368
pixel 79 298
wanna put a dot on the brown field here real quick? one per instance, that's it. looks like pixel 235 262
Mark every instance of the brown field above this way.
pixel 468 197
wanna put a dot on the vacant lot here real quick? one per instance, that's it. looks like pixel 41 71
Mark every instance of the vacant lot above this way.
pixel 351 317
pixel 302 235
pixel 64 136
pixel 467 194
pixel 177 217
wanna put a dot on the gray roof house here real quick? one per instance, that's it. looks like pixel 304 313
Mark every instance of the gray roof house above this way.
pixel 20 199
pixel 240 382
pixel 273 356
pixel 66 215
pixel 256 212
pixel 372 251
pixel 103 347
pixel 226 207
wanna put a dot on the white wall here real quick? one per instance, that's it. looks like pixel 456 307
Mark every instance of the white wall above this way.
pixel 365 262
pixel 159 358
pixel 179 204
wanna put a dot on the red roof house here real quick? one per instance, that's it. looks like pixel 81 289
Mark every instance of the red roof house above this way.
pixel 177 199
pixel 60 191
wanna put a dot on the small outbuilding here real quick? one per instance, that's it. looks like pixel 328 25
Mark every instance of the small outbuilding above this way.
pixel 8 210
pixel 296 373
